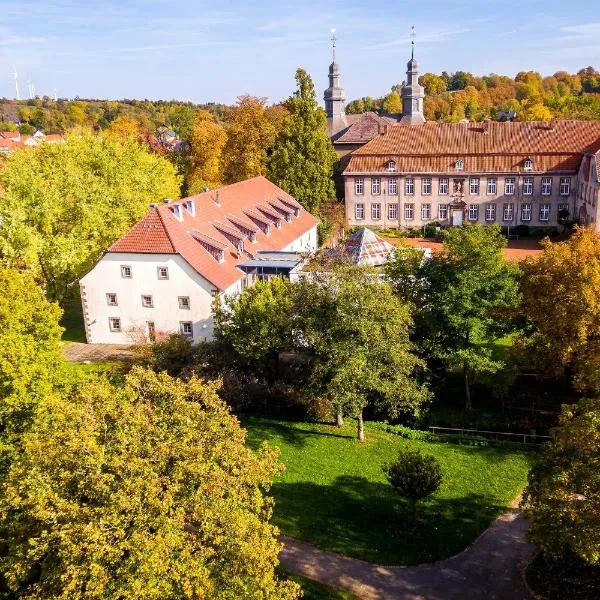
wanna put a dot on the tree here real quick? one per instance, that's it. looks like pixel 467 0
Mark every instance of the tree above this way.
pixel 392 103
pixel 62 205
pixel 125 126
pixel 360 354
pixel 433 84
pixel 207 143
pixel 141 490
pixel 560 297
pixel 415 477
pixel 250 137
pixel 303 160
pixel 562 499
pixel 465 299
pixel 30 355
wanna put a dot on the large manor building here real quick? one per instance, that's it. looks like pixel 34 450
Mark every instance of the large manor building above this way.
pixel 410 172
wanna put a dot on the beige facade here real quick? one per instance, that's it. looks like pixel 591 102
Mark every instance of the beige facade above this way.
pixel 412 201
pixel 588 191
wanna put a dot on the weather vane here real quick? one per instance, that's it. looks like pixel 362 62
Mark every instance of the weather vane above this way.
pixel 333 41
pixel 413 35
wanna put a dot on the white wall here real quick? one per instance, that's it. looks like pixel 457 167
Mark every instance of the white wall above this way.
pixel 105 278
pixel 166 315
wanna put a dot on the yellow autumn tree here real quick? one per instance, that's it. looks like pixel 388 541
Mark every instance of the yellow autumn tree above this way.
pixel 206 150
pixel 560 296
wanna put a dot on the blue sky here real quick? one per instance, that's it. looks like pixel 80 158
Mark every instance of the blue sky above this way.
pixel 200 51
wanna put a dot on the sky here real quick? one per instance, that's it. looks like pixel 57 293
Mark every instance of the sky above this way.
pixel 215 51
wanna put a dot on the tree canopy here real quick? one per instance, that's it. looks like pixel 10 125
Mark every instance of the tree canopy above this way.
pixel 142 490
pixel 303 159
pixel 562 500
pixel 62 205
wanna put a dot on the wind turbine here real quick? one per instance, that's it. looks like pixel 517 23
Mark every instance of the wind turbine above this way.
pixel 16 76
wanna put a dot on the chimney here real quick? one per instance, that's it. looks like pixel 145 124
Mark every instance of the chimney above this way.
pixel 217 201
pixel 383 129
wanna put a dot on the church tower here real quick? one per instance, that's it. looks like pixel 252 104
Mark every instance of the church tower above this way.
pixel 412 93
pixel 335 96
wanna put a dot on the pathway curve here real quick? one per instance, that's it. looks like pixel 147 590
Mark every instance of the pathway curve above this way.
pixel 490 569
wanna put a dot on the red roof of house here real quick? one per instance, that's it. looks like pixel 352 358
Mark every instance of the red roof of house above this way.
pixel 222 217
pixel 484 147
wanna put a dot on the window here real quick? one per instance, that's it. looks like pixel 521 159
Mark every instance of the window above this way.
pixel 409 186
pixel 185 327
pixel 425 211
pixel 442 212
pixel 111 299
pixel 474 186
pixel 147 301
pixel 526 212
pixel 392 211
pixel 114 323
pixel 544 212
pixel 528 164
pixel 491 186
pixel 376 186
pixel 409 212
pixel 184 302
pixel 359 211
pixel 376 211
pixel 527 186
pixel 126 272
pixel 391 166
pixel 473 212
pixel 563 207
pixel 162 272
pixel 490 212
pixel 460 165
pixel 546 186
pixel 565 186
pixel 393 186
pixel 443 186
pixel 509 186
pixel 508 212
pixel 359 186
pixel 426 185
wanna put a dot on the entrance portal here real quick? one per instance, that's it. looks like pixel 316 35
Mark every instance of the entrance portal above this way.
pixel 457 218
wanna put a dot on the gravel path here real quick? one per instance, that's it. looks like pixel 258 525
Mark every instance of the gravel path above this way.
pixel 79 353
pixel 490 569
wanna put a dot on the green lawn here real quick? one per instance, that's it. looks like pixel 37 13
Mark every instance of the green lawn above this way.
pixel 333 493
pixel 72 320
pixel 313 590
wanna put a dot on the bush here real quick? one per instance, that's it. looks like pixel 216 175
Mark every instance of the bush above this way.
pixel 431 229
pixel 172 354
pixel 428 436
pixel 414 476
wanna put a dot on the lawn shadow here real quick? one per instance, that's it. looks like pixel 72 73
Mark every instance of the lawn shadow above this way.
pixel 369 520
pixel 260 430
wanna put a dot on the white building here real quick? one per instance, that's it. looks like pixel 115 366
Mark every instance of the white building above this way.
pixel 163 275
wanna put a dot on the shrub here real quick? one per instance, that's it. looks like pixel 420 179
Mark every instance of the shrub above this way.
pixel 172 354
pixel 414 476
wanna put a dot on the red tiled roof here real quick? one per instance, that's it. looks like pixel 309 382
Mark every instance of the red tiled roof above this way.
pixel 160 232
pixel 363 129
pixel 484 147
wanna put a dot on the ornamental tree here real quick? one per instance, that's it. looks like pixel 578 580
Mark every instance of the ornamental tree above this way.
pixel 303 158
pixel 414 476
pixel 562 500
pixel 560 297
pixel 62 205
pixel 146 490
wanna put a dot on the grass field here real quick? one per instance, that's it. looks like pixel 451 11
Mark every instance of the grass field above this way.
pixel 334 495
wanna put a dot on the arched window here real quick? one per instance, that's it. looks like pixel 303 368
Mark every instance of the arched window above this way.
pixel 391 166
pixel 528 164
pixel 459 164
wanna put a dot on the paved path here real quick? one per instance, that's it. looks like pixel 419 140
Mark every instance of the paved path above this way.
pixel 490 569
pixel 79 353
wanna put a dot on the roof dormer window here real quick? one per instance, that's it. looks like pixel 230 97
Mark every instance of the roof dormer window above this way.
pixel 528 164
pixel 177 211
pixel 459 165
pixel 391 166
pixel 190 206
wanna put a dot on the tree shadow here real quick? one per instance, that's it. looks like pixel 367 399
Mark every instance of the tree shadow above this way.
pixel 369 520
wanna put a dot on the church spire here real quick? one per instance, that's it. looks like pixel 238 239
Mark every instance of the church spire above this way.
pixel 412 92
pixel 335 95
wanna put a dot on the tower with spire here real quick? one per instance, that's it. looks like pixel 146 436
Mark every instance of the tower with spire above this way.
pixel 412 92
pixel 335 95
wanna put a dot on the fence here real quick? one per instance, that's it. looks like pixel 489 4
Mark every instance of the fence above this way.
pixel 500 436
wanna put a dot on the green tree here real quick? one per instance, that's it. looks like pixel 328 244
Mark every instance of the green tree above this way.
pixel 465 299
pixel 392 103
pixel 145 490
pixel 414 476
pixel 562 500
pixel 303 160
pixel 62 205
pixel 30 355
